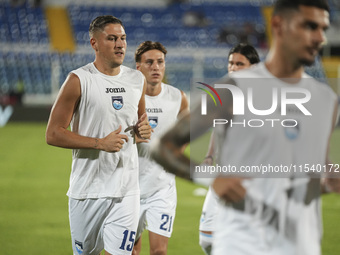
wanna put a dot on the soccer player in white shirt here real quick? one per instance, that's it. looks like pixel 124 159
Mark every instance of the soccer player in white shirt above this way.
pixel 270 215
pixel 158 188
pixel 240 57
pixel 103 103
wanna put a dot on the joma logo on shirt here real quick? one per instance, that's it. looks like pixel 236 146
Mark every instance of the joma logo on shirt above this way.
pixel 154 110
pixel 115 90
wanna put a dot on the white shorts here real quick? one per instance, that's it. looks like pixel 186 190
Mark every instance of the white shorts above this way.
pixel 105 223
pixel 157 212
pixel 209 211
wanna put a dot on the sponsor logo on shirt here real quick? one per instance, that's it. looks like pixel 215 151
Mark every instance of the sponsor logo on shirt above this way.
pixel 115 90
pixel 154 110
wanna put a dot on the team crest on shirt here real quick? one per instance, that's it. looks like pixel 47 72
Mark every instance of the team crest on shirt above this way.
pixel 79 246
pixel 153 121
pixel 117 102
pixel 292 133
pixel 202 217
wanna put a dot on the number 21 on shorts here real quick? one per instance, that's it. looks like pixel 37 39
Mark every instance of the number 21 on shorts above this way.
pixel 128 246
pixel 167 222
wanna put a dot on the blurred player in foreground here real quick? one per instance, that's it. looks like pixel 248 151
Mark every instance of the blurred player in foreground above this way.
pixel 276 213
pixel 240 57
pixel 104 104
pixel 158 188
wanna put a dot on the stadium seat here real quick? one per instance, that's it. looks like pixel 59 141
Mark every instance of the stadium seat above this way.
pixel 24 28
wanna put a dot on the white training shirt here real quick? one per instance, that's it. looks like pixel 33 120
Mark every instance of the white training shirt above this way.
pixel 279 215
pixel 106 102
pixel 162 111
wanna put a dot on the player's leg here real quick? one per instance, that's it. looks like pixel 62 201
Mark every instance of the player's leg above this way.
pixel 137 247
pixel 120 226
pixel 160 217
pixel 206 227
pixel 205 241
pixel 158 244
pixel 141 226
pixel 87 218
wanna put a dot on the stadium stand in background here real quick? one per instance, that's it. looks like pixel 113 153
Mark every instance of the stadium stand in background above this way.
pixel 41 41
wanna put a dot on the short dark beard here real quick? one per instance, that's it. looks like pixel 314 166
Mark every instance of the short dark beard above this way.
pixel 306 62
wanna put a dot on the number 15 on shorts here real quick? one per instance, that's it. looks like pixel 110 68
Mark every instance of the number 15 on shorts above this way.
pixel 128 245
pixel 167 223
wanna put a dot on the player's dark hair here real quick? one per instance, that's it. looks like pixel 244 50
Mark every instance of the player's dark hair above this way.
pixel 146 46
pixel 246 50
pixel 281 6
pixel 99 23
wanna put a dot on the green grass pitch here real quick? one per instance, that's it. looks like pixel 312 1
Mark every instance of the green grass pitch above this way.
pixel 33 203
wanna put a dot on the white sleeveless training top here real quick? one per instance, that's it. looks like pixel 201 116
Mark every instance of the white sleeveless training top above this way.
pixel 106 102
pixel 162 111
pixel 280 215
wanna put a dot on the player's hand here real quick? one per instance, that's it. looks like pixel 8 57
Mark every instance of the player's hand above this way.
pixel 140 140
pixel 229 189
pixel 208 161
pixel 114 141
pixel 331 182
pixel 332 185
pixel 142 129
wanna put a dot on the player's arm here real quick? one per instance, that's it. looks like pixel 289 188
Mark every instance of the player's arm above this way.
pixel 57 133
pixel 229 189
pixel 142 128
pixel 141 104
pixel 184 104
pixel 201 123
pixel 331 182
pixel 209 157
pixel 183 109
pixel 167 151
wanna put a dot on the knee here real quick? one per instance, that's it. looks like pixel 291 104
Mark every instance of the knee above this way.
pixel 158 251
pixel 135 252
pixel 137 248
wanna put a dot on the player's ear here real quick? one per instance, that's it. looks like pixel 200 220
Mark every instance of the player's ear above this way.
pixel 277 24
pixel 137 65
pixel 93 43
